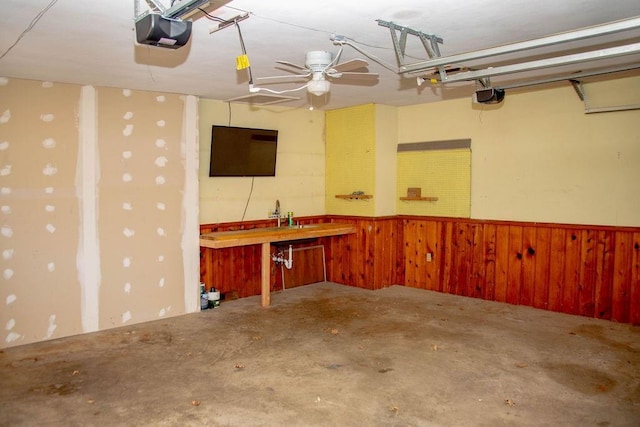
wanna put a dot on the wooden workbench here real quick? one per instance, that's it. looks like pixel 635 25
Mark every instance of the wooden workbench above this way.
pixel 268 235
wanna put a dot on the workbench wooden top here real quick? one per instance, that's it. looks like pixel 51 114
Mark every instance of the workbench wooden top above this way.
pixel 228 239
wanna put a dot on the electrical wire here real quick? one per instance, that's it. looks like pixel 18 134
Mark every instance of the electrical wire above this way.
pixel 278 21
pixel 348 40
pixel 307 28
pixel 211 17
pixel 369 55
pixel 33 23
pixel 277 92
pixel 253 178
pixel 244 52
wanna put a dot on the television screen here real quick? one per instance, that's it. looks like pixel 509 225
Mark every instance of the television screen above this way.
pixel 237 151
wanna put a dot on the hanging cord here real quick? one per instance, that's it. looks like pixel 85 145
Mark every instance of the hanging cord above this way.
pixel 344 41
pixel 244 52
pixel 33 23
pixel 253 178
pixel 252 88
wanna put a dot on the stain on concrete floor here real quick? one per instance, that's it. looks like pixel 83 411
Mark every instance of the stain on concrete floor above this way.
pixel 329 355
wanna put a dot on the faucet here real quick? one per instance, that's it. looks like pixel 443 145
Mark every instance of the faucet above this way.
pixel 277 212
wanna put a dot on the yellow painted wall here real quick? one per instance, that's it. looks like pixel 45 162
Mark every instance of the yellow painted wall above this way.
pixel 539 157
pixel 385 167
pixel 445 174
pixel 351 159
pixel 98 208
pixel 299 183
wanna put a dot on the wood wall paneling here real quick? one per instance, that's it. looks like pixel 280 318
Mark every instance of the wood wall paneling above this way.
pixel 604 274
pixel 556 269
pixel 489 260
pixel 634 292
pixel 620 306
pixel 502 262
pixel 541 252
pixel 592 271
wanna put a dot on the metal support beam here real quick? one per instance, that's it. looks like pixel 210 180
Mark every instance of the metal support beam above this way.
pixel 599 30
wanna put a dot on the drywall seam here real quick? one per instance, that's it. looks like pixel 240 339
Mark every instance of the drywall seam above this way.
pixel 190 200
pixel 87 172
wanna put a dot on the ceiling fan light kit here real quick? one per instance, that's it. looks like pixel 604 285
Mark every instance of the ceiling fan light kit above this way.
pixel 318 87
pixel 319 67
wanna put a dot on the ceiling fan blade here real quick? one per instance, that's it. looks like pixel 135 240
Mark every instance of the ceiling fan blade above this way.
pixel 291 64
pixel 356 76
pixel 352 64
pixel 292 77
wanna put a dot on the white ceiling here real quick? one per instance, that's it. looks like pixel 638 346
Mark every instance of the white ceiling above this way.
pixel 93 42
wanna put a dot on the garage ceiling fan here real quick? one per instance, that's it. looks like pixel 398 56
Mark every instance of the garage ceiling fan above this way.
pixel 320 69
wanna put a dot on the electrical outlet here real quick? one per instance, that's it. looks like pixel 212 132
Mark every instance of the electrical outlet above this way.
pixel 429 256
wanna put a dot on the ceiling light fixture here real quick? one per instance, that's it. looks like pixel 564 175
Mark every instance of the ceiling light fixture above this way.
pixel 318 86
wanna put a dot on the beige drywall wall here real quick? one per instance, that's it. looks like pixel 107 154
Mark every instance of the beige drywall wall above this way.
pixel 539 157
pixel 99 208
pixel 300 167
pixel 40 289
pixel 140 205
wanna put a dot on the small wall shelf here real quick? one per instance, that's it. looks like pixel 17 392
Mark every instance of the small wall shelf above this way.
pixel 354 196
pixel 420 199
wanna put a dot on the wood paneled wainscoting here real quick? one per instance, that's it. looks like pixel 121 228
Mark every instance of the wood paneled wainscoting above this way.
pixel 591 271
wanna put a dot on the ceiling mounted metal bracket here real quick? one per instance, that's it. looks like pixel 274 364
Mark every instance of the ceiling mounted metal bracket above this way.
pixel 429 41
pixel 485 82
pixel 179 10
pixel 156 6
pixel 577 86
pixel 572 76
pixel 582 94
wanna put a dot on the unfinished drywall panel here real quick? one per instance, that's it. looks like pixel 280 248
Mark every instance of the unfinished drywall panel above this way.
pixel 351 159
pixel 538 156
pixel 39 230
pixel 98 200
pixel 140 198
pixel 299 183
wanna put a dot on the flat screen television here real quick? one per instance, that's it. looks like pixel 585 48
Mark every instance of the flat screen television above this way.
pixel 239 151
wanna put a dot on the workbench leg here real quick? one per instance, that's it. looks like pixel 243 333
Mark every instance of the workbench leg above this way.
pixel 266 274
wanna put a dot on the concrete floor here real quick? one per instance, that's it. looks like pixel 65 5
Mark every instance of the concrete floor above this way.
pixel 330 355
